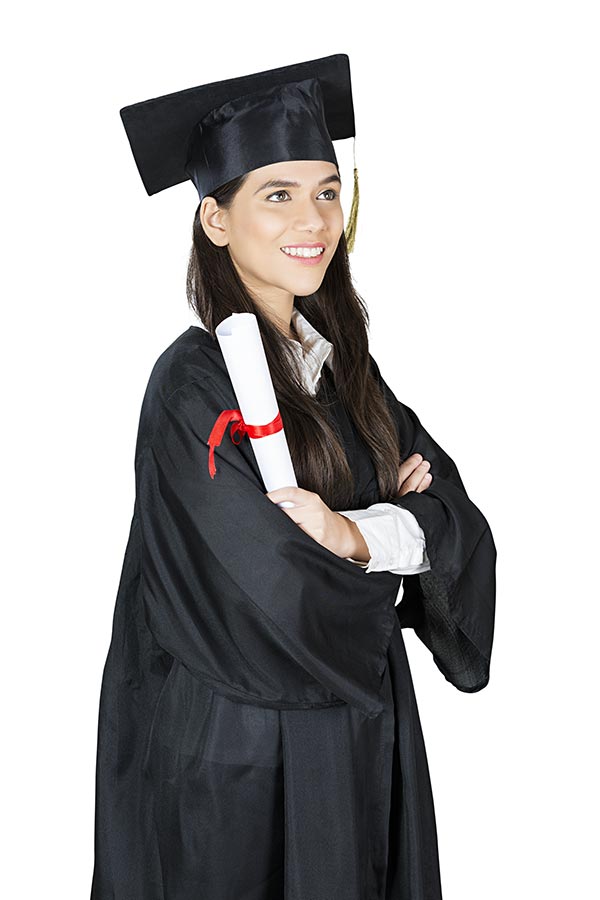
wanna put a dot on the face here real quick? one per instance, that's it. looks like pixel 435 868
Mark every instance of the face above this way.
pixel 285 204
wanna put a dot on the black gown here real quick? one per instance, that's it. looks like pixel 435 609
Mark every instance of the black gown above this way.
pixel 258 736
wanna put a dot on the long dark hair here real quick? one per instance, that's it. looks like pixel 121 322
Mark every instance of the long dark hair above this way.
pixel 336 310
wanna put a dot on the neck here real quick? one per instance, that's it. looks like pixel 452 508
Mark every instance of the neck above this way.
pixel 283 321
pixel 280 313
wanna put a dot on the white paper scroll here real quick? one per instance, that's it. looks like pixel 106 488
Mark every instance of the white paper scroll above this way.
pixel 244 354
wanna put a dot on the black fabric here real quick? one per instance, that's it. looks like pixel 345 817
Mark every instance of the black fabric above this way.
pixel 282 123
pixel 258 735
pixel 215 132
pixel 451 607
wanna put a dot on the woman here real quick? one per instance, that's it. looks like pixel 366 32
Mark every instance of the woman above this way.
pixel 259 735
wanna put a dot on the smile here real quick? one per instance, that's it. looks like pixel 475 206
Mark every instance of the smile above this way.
pixel 304 251
pixel 307 255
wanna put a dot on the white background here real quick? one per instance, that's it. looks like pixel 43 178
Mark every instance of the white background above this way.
pixel 478 152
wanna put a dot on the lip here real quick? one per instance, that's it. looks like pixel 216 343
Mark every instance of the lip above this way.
pixel 306 260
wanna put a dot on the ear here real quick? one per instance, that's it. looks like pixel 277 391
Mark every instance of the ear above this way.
pixel 213 220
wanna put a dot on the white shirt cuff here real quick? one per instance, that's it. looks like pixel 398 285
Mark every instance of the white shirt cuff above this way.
pixel 394 538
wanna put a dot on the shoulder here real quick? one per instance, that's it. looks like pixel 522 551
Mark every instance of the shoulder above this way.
pixel 406 418
pixel 188 370
pixel 374 368
pixel 378 374
pixel 381 382
pixel 192 357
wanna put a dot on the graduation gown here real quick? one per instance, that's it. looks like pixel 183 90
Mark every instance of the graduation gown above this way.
pixel 258 735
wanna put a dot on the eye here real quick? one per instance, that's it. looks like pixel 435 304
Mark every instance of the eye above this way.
pixel 335 194
pixel 331 191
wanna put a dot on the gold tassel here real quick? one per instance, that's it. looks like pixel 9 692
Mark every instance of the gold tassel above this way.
pixel 350 231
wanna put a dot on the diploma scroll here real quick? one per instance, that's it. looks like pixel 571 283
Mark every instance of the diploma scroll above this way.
pixel 241 344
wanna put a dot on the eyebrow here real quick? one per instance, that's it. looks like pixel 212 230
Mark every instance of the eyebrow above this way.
pixel 283 183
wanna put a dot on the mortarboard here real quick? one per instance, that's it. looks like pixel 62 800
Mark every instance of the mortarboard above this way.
pixel 215 132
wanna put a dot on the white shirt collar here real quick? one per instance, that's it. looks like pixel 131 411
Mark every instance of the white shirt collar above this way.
pixel 317 350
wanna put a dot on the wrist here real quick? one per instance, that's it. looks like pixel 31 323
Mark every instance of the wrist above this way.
pixel 355 546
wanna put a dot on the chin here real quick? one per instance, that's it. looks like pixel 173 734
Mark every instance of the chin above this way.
pixel 302 287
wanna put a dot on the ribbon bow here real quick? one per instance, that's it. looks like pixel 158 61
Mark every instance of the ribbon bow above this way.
pixel 239 427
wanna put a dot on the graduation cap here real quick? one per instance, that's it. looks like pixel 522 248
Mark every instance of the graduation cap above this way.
pixel 215 132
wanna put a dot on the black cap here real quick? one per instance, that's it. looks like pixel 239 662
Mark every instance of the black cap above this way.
pixel 219 131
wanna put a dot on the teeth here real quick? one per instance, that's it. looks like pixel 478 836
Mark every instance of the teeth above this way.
pixel 303 251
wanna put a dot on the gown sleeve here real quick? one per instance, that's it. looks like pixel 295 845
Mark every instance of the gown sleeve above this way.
pixel 451 607
pixel 234 588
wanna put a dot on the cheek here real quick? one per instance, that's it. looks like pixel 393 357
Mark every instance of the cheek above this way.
pixel 260 236
pixel 335 220
pixel 255 243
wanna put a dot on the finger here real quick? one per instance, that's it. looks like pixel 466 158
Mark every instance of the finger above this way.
pixel 290 492
pixel 407 466
pixel 425 482
pixel 412 461
pixel 414 479
pixel 414 470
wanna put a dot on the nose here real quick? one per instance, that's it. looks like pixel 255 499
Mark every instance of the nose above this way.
pixel 309 215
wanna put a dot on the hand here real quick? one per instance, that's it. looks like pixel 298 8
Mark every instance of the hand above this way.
pixel 325 526
pixel 413 475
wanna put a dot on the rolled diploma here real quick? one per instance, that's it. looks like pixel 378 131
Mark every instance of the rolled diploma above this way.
pixel 244 354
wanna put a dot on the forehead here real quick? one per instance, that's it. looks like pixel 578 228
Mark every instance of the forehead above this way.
pixel 300 170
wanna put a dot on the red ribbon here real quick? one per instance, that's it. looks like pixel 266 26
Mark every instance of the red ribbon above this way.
pixel 235 415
